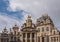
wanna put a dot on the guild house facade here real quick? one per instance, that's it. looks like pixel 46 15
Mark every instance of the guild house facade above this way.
pixel 43 31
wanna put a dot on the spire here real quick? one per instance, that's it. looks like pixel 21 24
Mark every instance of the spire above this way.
pixel 5 30
pixel 45 14
pixel 15 26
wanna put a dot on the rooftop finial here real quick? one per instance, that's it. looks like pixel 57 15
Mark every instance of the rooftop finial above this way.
pixel 28 17
pixel 45 14
pixel 15 24
pixel 5 28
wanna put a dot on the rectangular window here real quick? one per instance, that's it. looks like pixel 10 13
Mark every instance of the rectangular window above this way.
pixel 14 38
pixel 47 29
pixel 42 39
pixel 1 40
pixel 57 38
pixel 15 32
pixel 32 40
pixel 42 29
pixel 11 38
pixel 51 30
pixel 32 35
pixel 51 39
pixel 54 32
pixel 7 40
pixel 39 29
pixel 23 40
pixel 23 35
pixel 47 38
pixel 28 40
pixel 54 39
pixel 28 35
pixel 38 39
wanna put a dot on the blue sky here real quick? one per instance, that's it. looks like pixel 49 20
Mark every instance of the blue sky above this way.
pixel 3 9
pixel 6 15
pixel 15 11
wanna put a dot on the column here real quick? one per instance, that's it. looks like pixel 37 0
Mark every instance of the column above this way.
pixel 26 37
pixel 40 39
pixel 50 39
pixel 22 37
pixel 30 37
pixel 45 39
pixel 35 38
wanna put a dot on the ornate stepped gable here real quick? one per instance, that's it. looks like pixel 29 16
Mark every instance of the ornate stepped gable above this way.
pixel 45 19
pixel 28 31
pixel 28 26
pixel 14 34
pixel 28 23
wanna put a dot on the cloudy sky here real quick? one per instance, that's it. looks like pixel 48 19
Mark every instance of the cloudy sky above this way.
pixel 15 11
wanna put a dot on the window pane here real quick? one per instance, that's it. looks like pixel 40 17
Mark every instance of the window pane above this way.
pixel 38 39
pixel 15 38
pixel 57 38
pixel 23 35
pixel 47 29
pixel 28 40
pixel 23 40
pixel 32 40
pixel 32 35
pixel 39 29
pixel 47 38
pixel 54 32
pixel 42 29
pixel 28 35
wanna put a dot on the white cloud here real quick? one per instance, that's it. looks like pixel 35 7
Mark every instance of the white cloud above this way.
pixel 9 22
pixel 37 7
pixel 34 6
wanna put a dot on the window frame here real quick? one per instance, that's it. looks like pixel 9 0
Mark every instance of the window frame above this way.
pixel 42 29
pixel 47 28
